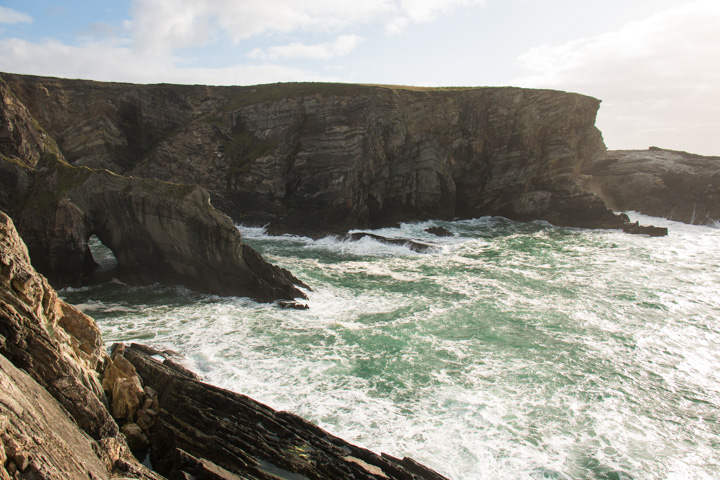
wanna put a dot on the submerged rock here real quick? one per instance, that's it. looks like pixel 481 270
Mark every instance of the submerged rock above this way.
pixel 439 232
pixel 414 245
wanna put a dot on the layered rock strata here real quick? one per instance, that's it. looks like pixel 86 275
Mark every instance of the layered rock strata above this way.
pixel 54 421
pixel 203 430
pixel 318 158
pixel 158 231
pixel 663 183
pixel 70 411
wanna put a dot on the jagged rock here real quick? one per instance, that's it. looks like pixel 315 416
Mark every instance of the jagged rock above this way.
pixel 135 437
pixel 663 183
pixel 204 430
pixel 53 413
pixel 317 158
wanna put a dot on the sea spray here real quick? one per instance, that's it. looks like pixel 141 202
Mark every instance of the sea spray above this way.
pixel 514 351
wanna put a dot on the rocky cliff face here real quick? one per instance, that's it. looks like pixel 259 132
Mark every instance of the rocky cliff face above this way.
pixel 327 157
pixel 53 417
pixel 158 231
pixel 664 183
pixel 70 411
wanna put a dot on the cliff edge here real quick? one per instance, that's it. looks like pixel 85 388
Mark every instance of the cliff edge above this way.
pixel 314 158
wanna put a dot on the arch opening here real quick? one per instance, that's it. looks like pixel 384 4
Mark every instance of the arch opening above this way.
pixel 104 257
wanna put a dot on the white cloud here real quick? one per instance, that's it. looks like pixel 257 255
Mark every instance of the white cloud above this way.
pixel 659 78
pixel 164 25
pixel 8 15
pixel 421 11
pixel 343 45
pixel 106 62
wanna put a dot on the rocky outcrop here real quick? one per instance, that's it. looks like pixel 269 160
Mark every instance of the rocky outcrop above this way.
pixel 158 231
pixel 318 158
pixel 202 430
pixel 53 417
pixel 70 411
pixel 663 183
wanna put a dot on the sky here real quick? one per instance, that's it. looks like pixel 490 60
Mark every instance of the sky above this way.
pixel 655 64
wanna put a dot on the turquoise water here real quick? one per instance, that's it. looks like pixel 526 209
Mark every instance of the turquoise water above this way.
pixel 514 351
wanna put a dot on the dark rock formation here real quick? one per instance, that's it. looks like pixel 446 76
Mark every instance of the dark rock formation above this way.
pixel 158 231
pixel 69 411
pixel 203 431
pixel 322 158
pixel 663 183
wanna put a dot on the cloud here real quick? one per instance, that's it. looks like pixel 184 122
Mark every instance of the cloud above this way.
pixel 107 62
pixel 343 45
pixel 9 16
pixel 659 78
pixel 164 25
pixel 422 11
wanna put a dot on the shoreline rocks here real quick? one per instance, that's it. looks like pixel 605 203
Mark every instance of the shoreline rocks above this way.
pixel 69 410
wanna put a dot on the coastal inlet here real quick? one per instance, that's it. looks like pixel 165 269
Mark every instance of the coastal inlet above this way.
pixel 510 351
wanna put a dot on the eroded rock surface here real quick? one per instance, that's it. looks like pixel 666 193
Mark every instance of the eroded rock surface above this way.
pixel 54 421
pixel 663 183
pixel 325 158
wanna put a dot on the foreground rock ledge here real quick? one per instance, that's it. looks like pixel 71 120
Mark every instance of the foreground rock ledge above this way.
pixel 70 411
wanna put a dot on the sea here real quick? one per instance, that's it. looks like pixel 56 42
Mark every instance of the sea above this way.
pixel 507 351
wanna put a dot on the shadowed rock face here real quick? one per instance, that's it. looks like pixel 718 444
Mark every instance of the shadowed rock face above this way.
pixel 313 158
pixel 158 231
pixel 663 183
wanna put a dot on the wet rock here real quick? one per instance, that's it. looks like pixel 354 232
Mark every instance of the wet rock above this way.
pixel 203 430
pixel 439 232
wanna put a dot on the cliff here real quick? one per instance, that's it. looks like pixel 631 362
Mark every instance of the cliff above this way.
pixel 158 231
pixel 313 158
pixel 663 183
pixel 68 410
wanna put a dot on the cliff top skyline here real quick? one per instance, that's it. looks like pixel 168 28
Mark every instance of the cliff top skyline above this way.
pixel 654 63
